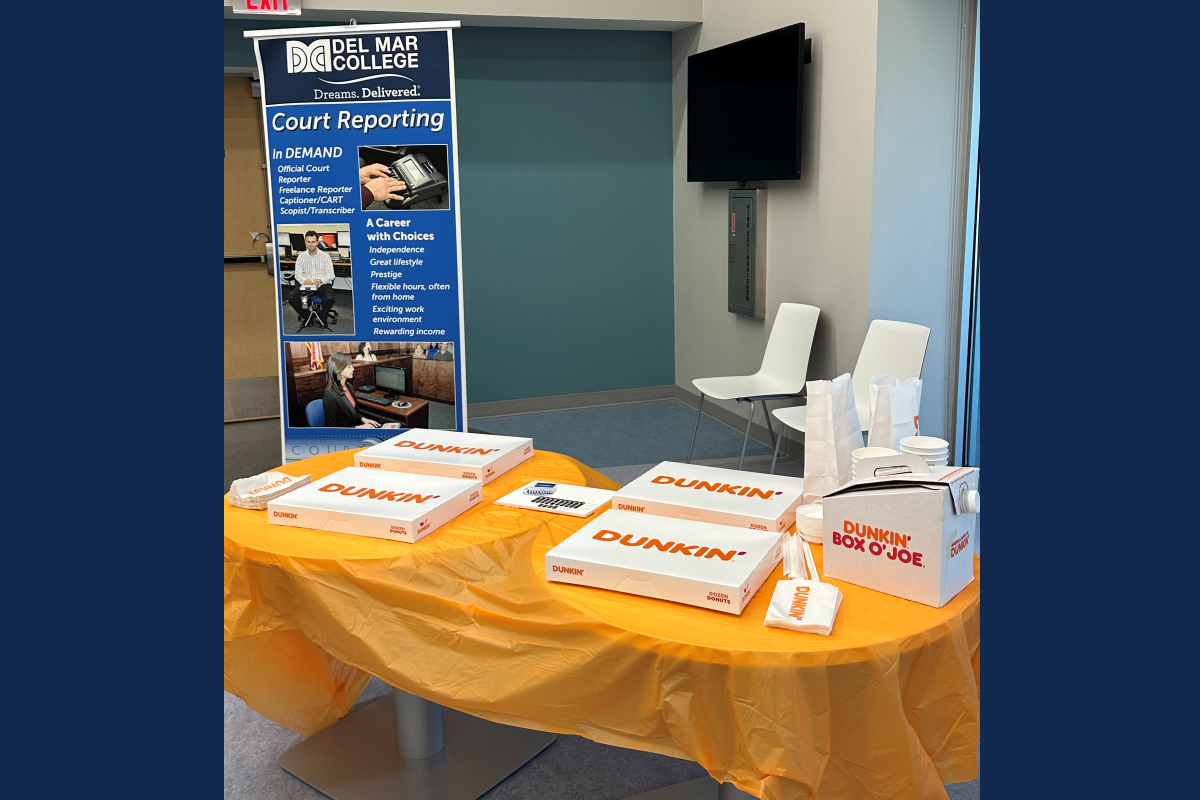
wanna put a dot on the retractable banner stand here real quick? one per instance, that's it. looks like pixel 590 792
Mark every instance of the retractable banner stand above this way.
pixel 362 163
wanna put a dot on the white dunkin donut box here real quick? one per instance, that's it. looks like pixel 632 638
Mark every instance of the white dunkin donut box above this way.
pixel 371 502
pixel 474 456
pixel 910 534
pixel 709 494
pixel 697 563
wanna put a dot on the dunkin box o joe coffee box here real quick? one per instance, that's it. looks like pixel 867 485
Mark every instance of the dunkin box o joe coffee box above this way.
pixel 475 456
pixel 709 494
pixel 911 535
pixel 697 563
pixel 369 502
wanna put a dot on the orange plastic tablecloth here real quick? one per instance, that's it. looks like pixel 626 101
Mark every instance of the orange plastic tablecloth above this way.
pixel 887 706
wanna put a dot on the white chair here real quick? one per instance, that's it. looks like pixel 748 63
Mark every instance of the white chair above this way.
pixel 782 374
pixel 891 348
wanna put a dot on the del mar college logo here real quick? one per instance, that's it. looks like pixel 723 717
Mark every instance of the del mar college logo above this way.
pixel 314 57
pixel 298 70
pixel 354 54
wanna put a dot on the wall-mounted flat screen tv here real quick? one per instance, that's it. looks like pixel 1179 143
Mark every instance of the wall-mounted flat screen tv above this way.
pixel 743 112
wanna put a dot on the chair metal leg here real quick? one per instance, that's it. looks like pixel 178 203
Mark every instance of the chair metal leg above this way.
pixel 768 416
pixel 310 321
pixel 749 422
pixel 778 444
pixel 695 428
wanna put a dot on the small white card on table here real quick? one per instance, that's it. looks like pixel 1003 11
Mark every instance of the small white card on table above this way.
pixel 557 498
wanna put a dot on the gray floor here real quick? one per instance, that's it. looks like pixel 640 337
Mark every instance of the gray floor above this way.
pixel 250 448
pixel 573 768
pixel 634 433
pixel 622 442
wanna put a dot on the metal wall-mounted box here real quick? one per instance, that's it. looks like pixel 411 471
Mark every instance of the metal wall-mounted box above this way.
pixel 747 228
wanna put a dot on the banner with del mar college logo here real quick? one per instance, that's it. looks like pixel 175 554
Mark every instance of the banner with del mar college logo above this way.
pixel 362 161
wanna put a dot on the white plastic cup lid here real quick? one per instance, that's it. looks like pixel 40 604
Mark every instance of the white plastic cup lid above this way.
pixel 925 442
pixel 872 452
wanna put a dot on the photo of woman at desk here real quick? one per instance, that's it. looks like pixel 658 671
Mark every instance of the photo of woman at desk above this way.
pixel 341 408
pixel 355 384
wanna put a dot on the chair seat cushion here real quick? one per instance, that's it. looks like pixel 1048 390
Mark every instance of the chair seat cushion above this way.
pixel 794 417
pixel 731 388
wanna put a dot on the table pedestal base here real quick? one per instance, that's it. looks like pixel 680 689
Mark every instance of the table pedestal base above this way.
pixel 359 757
pixel 699 789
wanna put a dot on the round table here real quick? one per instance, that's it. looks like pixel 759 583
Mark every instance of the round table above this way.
pixel 887 705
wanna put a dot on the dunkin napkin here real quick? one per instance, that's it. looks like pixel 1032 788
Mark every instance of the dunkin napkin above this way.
pixel 808 606
pixel 255 492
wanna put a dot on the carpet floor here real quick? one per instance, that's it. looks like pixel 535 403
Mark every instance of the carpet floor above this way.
pixel 632 433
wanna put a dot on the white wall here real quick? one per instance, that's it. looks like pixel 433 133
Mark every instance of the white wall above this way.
pixel 818 227
pixel 870 229
pixel 648 15
pixel 920 156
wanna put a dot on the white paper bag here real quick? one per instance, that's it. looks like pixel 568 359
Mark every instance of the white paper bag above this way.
pixel 831 437
pixel 895 410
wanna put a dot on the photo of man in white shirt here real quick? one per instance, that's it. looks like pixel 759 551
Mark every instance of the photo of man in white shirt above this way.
pixel 314 270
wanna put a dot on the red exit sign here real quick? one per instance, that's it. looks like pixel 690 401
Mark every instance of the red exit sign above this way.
pixel 289 7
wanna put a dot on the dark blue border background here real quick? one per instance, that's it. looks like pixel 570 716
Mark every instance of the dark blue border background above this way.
pixel 1087 237
pixel 1087 233
pixel 114 129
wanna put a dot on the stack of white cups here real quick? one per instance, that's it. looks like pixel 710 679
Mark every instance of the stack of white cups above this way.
pixel 866 452
pixel 935 451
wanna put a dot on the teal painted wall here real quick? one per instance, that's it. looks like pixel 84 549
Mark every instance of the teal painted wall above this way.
pixel 565 149
pixel 565 143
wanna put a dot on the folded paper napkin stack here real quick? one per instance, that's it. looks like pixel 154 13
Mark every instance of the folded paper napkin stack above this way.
pixel 808 606
pixel 254 493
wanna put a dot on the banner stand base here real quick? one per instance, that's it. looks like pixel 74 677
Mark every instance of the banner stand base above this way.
pixel 359 756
